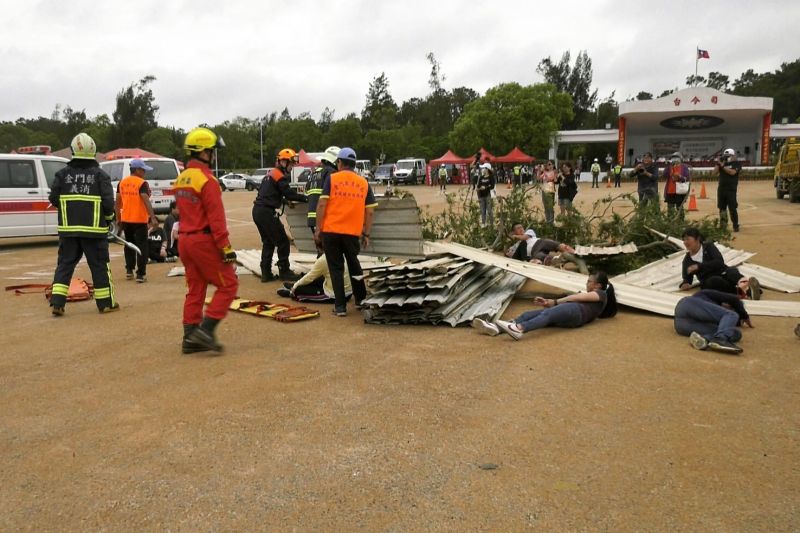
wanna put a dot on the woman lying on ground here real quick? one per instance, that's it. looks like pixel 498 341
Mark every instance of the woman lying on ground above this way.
pixel 316 285
pixel 571 311
pixel 711 319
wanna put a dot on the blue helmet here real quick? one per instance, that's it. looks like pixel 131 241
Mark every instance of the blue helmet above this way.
pixel 347 154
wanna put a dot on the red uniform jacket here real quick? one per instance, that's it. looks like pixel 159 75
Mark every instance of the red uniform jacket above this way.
pixel 199 201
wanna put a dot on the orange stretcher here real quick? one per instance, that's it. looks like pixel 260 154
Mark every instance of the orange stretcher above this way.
pixel 279 312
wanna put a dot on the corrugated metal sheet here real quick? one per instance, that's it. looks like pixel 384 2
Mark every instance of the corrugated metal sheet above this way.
pixel 298 262
pixel 772 279
pixel 628 294
pixel 442 289
pixel 396 230
pixel 629 248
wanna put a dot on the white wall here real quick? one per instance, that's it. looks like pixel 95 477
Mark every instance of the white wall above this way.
pixel 738 141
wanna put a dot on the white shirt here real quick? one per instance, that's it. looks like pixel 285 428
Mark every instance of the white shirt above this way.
pixel 320 268
pixel 698 257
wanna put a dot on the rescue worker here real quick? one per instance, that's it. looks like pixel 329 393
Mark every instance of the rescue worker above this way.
pixel 83 195
pixel 317 181
pixel 205 248
pixel 595 169
pixel 344 213
pixel 272 194
pixel 136 217
pixel 617 171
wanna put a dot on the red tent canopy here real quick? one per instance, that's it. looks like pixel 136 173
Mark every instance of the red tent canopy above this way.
pixel 304 160
pixel 449 158
pixel 127 153
pixel 515 156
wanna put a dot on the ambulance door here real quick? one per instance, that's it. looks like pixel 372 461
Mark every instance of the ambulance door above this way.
pixel 49 169
pixel 21 211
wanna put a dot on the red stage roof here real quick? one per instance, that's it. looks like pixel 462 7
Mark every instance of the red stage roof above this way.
pixel 515 156
pixel 304 160
pixel 128 153
pixel 449 158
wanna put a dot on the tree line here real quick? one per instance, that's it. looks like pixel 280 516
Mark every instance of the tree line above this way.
pixel 507 115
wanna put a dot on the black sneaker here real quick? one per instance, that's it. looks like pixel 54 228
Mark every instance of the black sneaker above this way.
pixel 340 311
pixel 724 346
pixel 203 338
pixel 288 275
pixel 57 310
pixel 109 309
pixel 141 279
pixel 288 285
pixel 129 274
pixel 284 293
pixel 266 277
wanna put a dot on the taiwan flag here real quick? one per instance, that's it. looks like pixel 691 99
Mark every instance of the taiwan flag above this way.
pixel 703 54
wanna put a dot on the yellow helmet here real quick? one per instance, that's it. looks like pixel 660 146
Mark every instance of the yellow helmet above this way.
pixel 200 139
pixel 287 153
pixel 83 147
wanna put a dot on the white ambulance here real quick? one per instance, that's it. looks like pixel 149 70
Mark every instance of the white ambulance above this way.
pixel 161 179
pixel 25 182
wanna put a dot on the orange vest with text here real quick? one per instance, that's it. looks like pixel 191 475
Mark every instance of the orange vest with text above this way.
pixel 344 212
pixel 133 209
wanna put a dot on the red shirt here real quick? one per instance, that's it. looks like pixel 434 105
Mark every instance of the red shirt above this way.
pixel 199 201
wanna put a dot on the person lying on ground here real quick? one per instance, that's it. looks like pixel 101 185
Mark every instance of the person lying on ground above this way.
pixel 316 285
pixel 533 249
pixel 704 260
pixel 571 311
pixel 711 319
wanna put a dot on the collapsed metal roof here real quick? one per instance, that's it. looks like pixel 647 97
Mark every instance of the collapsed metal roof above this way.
pixel 440 289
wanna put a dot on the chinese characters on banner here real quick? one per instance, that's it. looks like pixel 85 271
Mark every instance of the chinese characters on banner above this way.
pixel 621 142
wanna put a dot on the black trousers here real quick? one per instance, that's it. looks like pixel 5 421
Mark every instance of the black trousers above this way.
pixel 338 249
pixel 726 202
pixel 136 234
pixel 617 179
pixel 273 235
pixel 595 177
pixel 70 251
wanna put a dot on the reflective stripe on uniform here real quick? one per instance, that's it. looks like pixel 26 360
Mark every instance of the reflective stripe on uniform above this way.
pixel 59 289
pixel 104 292
pixel 312 214
pixel 313 191
pixel 87 229
pixel 111 286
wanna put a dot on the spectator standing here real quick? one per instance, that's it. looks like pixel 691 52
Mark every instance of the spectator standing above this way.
pixel 486 192
pixel 678 183
pixel 729 169
pixel 646 174
pixel 136 216
pixel 548 179
pixel 567 187
pixel 344 213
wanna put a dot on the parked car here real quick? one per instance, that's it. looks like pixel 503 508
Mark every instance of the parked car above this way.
pixel 233 181
pixel 25 181
pixel 161 179
pixel 364 168
pixel 384 173
pixel 254 180
pixel 410 170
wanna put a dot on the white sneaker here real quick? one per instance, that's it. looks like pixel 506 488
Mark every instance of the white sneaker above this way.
pixel 510 328
pixel 697 341
pixel 485 328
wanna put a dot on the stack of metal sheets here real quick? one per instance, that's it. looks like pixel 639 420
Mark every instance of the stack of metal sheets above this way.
pixel 439 289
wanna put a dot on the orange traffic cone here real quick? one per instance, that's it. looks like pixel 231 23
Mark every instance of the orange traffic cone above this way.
pixel 608 183
pixel 692 202
pixel 703 195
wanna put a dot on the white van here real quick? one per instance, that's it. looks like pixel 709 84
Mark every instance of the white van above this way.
pixel 161 179
pixel 410 170
pixel 364 168
pixel 25 182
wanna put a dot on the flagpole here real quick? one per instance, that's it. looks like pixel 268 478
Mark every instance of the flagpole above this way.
pixel 696 61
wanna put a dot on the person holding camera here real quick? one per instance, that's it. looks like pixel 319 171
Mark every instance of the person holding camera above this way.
pixel 729 169
pixel 646 174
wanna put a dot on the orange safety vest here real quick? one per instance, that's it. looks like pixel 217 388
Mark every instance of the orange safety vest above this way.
pixel 344 212
pixel 133 208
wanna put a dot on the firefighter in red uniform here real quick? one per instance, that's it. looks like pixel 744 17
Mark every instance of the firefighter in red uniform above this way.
pixel 204 247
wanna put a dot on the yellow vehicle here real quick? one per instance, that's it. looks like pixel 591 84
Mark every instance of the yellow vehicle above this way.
pixel 787 171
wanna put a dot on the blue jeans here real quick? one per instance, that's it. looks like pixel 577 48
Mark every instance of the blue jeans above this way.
pixel 487 209
pixel 708 319
pixel 566 315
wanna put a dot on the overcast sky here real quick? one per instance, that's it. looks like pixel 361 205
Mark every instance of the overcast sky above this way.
pixel 215 60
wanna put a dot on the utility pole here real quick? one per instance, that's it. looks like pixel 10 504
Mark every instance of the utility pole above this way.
pixel 261 139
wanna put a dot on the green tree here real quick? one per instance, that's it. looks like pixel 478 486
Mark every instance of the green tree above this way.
pixel 161 141
pixel 644 95
pixel 135 114
pixel 783 85
pixel 718 81
pixel 241 137
pixel 694 81
pixel 380 110
pixel 575 81
pixel 99 128
pixel 512 115
pixel 344 132
pixel 607 112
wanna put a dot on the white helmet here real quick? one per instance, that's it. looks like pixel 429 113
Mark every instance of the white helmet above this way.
pixel 83 147
pixel 486 166
pixel 331 154
pixel 729 152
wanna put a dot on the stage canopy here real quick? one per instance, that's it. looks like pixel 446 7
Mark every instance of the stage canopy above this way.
pixel 304 160
pixel 449 158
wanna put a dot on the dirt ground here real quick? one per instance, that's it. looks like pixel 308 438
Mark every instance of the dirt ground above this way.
pixel 331 424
